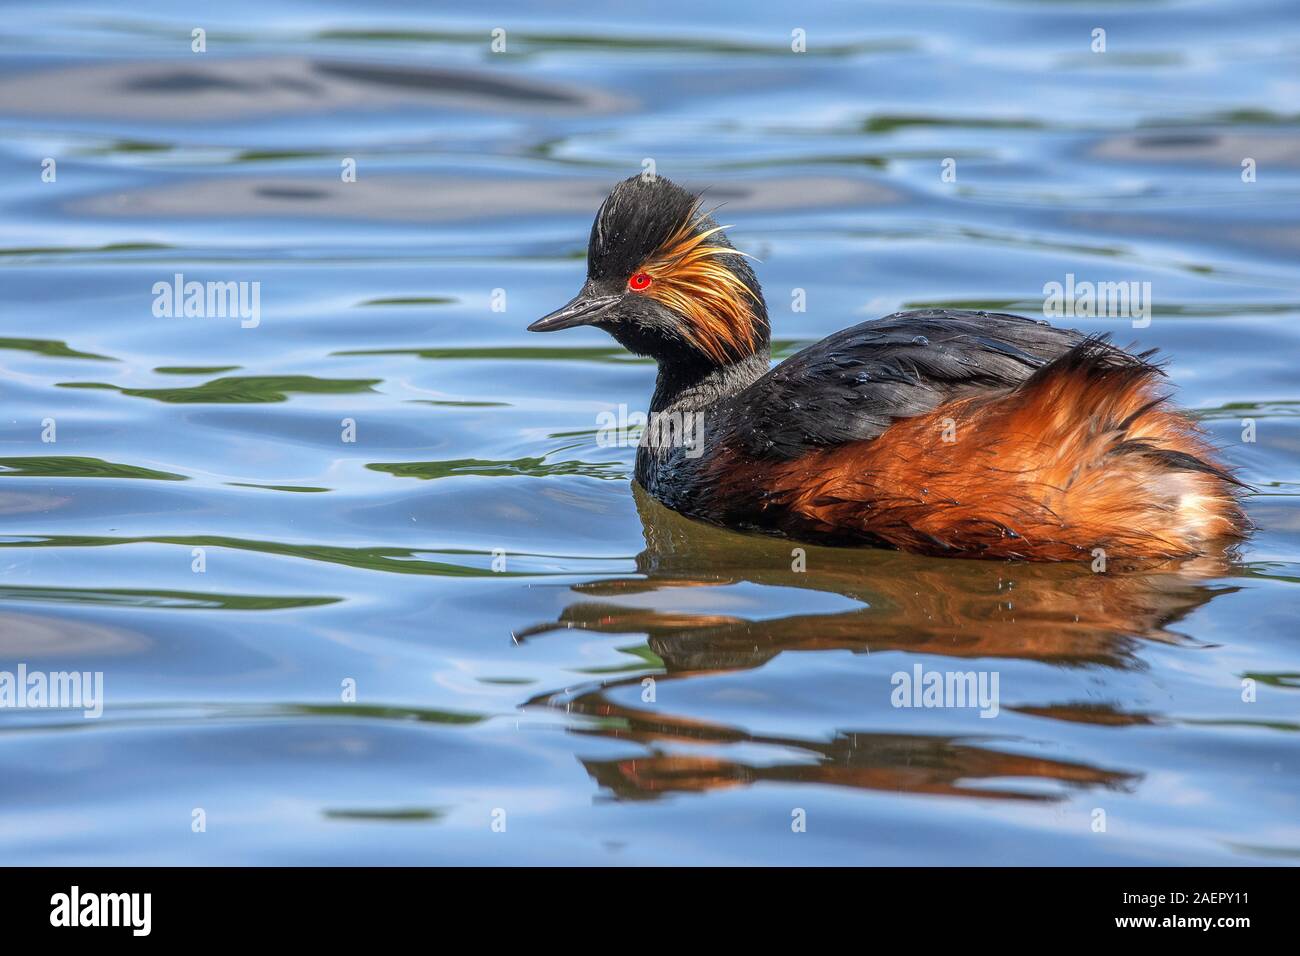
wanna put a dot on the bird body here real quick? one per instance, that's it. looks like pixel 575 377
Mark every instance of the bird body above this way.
pixel 971 434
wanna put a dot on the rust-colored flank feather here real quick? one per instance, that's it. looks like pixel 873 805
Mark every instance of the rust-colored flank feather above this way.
pixel 691 278
pixel 1085 455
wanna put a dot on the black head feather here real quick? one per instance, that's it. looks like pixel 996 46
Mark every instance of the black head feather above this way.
pixel 639 215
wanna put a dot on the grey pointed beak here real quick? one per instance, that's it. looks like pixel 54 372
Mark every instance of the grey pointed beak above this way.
pixel 582 309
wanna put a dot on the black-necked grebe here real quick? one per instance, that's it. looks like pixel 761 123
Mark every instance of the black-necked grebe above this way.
pixel 973 434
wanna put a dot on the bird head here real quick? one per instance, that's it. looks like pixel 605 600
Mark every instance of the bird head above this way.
pixel 663 280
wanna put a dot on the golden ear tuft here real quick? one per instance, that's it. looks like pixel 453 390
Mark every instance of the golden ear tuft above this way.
pixel 690 278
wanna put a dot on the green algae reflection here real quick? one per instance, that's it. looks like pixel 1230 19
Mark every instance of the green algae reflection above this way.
pixel 61 466
pixel 51 348
pixel 391 560
pixel 170 600
pixel 242 389
pixel 485 468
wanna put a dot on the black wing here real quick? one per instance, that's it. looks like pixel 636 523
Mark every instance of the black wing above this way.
pixel 854 384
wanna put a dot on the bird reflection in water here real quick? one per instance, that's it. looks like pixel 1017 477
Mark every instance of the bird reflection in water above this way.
pixel 1061 614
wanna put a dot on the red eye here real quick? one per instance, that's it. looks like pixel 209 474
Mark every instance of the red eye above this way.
pixel 639 282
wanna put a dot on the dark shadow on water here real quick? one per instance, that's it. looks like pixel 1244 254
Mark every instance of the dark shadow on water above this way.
pixel 219 88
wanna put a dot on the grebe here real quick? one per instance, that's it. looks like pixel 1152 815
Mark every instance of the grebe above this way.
pixel 941 432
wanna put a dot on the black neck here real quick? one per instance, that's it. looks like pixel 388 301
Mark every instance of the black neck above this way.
pixel 696 386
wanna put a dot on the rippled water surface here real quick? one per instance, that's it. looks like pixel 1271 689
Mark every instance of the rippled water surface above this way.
pixel 478 564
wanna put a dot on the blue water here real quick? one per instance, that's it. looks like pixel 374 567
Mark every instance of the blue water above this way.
pixel 431 644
